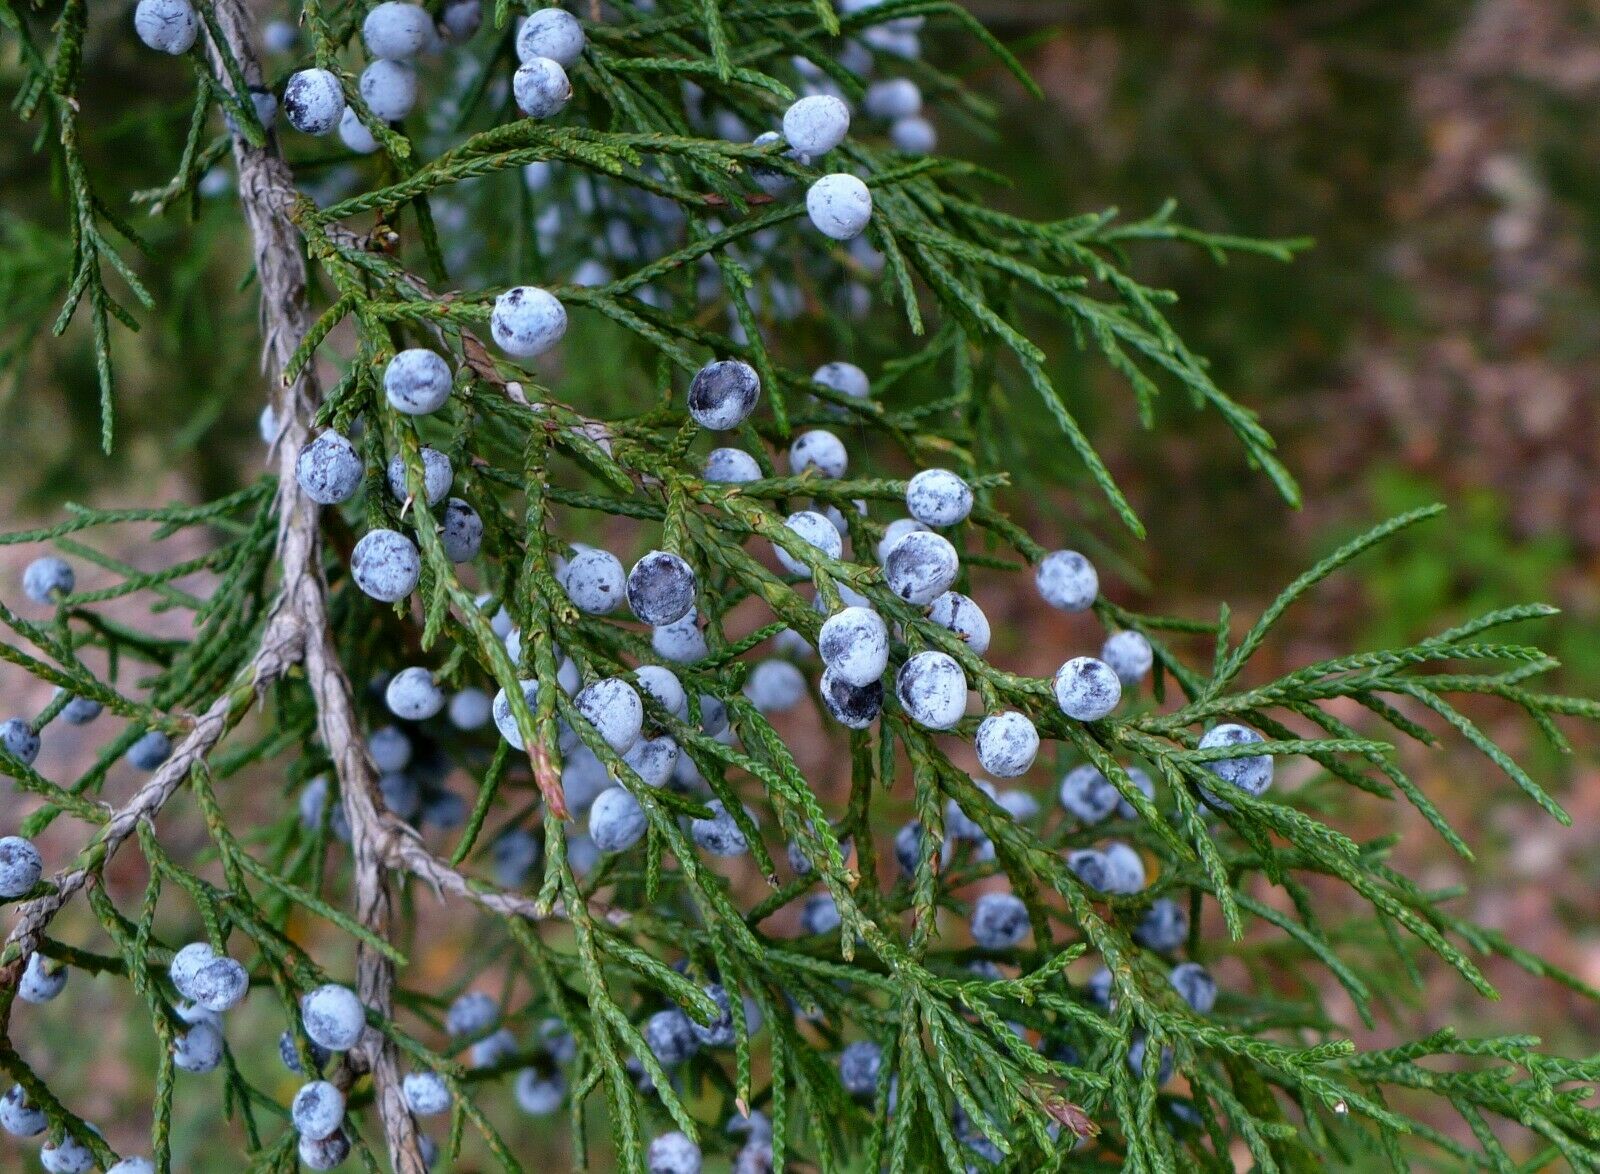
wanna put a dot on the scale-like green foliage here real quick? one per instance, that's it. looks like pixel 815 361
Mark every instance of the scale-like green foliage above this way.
pixel 990 1057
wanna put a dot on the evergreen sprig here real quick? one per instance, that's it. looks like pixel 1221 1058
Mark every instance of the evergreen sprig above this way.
pixel 1011 1057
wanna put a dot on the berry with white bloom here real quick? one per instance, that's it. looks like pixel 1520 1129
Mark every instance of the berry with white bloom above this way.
pixel 19 739
pixel 133 1166
pixel 67 1156
pixel 614 709
pixel 909 850
pixel 720 835
pixel 167 26
pixel 390 749
pixel 845 378
pixel 671 1037
pixel 186 964
pixel 817 531
pixel 921 566
pixel 551 33
pixel 472 1013
pixel 663 685
pixel 999 921
pixel 1129 654
pixel 460 531
pixel 386 565
pixel 1194 982
pixel 964 617
pixel 654 760
pixel 389 88
pixel 19 1117
pixel 839 205
pixel 819 914
pixel 853 706
pixel 682 642
pixel 461 20
pixel 1007 744
pixel 770 179
pixel 1087 794
pixel 938 497
pixel 673 1153
pixel 324 1153
pixel 1252 774
pixel 199 1049
pixel 42 980
pixel 914 135
pixel 1019 805
pixel 426 1093
pixel 854 645
pixel 723 393
pixel 329 469
pixel 1164 926
pixel 317 1110
pixel 816 125
pixel 1086 689
pixel 469 709
pixel 413 695
pixel 539 1093
pixel 353 133
pixel 713 715
pixel 583 778
pixel 1067 580
pixel 616 821
pixel 719 1033
pixel 504 720
pixel 821 450
pixel 80 711
pixel 21 867
pixel 417 381
pixel 437 475
pixel 493 1049
pixel 214 982
pixel 290 1056
pixel 932 689
pixel 661 588
pixel 333 1017
pixel 313 101
pixel 892 533
pixel 775 686
pixel 279 36
pixel 395 30
pixel 150 751
pixel 730 466
pixel 1090 866
pixel 859 1066
pixel 46 578
pixel 1125 868
pixel 897 97
pixel 541 87
pixel 527 321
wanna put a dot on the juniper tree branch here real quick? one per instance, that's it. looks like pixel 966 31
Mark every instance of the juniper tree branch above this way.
pixel 268 197
pixel 280 648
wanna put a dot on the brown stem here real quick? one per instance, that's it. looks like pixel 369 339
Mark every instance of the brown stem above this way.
pixel 268 196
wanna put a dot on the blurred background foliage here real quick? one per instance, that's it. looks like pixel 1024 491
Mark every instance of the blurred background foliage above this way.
pixel 1438 343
